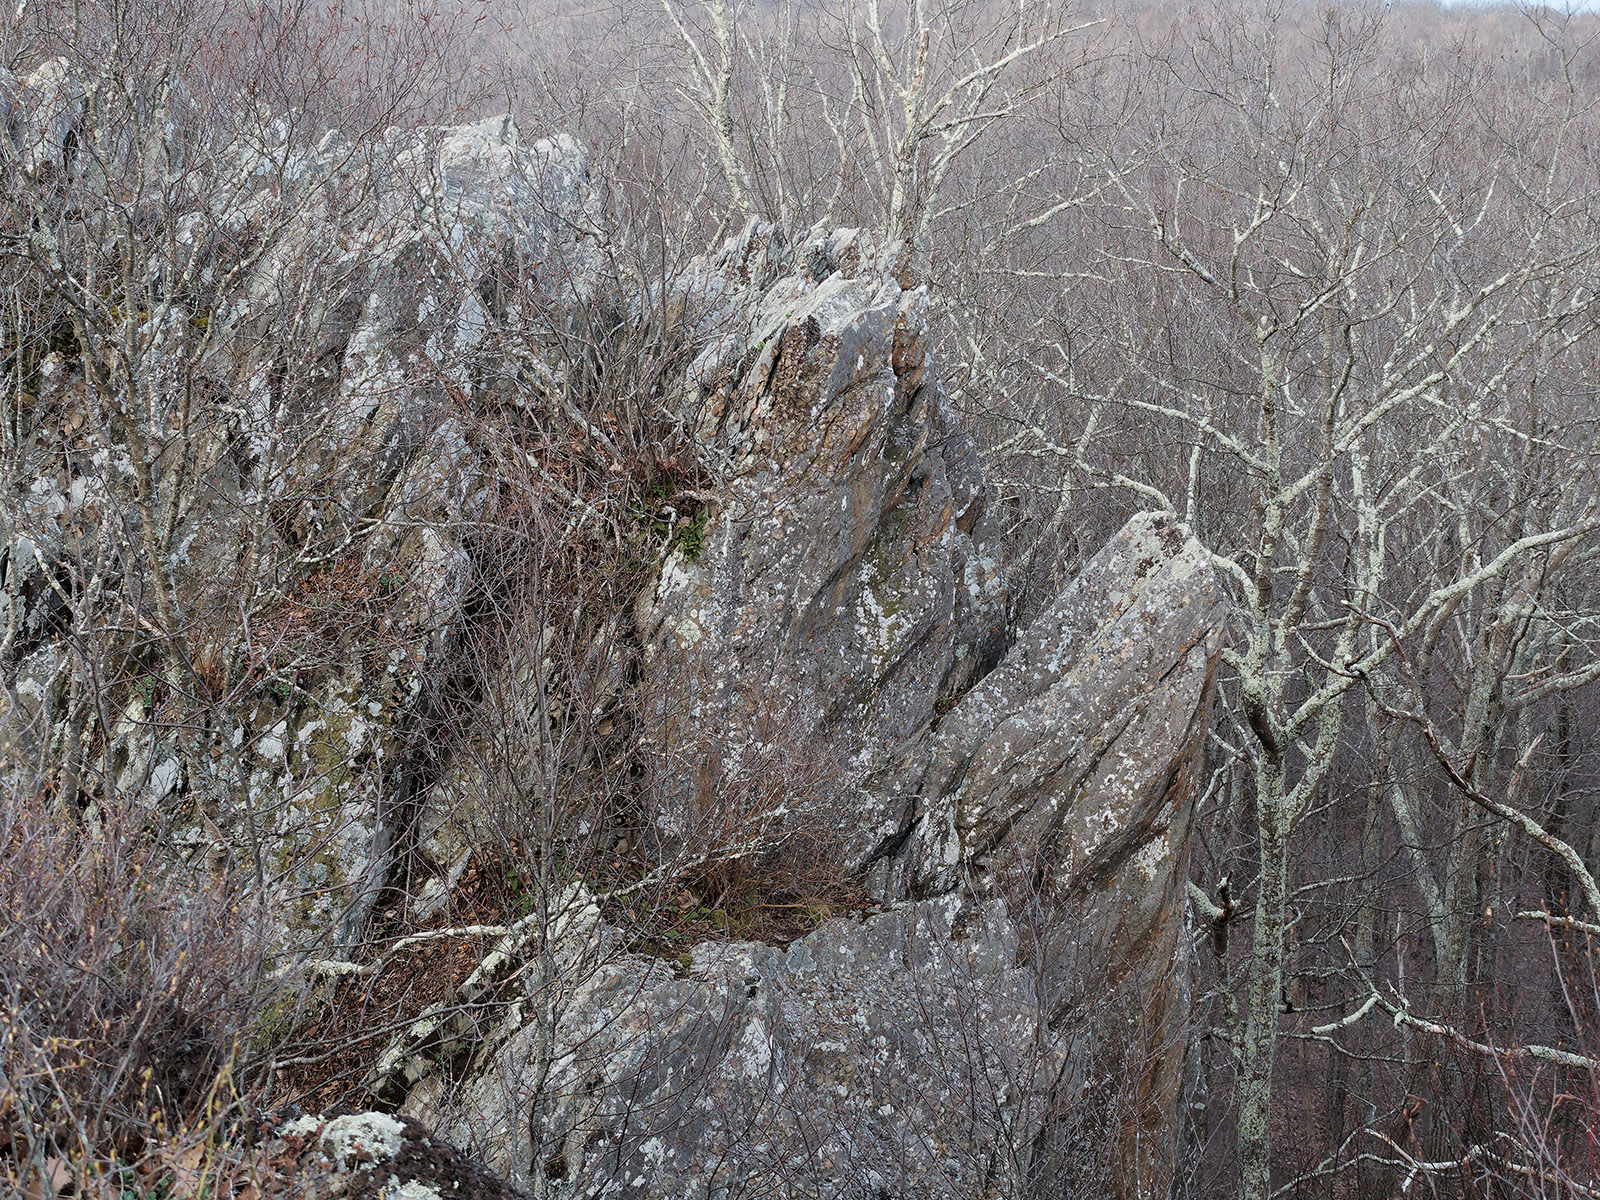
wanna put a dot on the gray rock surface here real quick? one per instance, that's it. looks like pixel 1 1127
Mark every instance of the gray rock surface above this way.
pixel 42 112
pixel 383 264
pixel 843 573
pixel 1011 1010
pixel 892 1054
pixel 1068 776
pixel 375 1156
pixel 1061 764
pixel 1024 1022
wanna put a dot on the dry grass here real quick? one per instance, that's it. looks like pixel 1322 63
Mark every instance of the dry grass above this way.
pixel 125 997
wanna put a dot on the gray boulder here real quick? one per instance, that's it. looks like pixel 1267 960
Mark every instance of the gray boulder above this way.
pixel 373 1156
pixel 841 582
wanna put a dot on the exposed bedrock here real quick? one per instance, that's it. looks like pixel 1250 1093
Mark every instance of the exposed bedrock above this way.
pixel 842 587
pixel 335 743
pixel 371 1156
pixel 1015 1009
pixel 1006 1020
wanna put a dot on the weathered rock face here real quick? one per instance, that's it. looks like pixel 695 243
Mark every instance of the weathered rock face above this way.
pixel 1030 844
pixel 841 575
pixel 1068 774
pixel 945 1047
pixel 894 1054
pixel 40 113
pixel 339 477
pixel 374 1156
pixel 1006 1022
pixel 1064 762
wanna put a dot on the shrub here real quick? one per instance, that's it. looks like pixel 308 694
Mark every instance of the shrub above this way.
pixel 125 993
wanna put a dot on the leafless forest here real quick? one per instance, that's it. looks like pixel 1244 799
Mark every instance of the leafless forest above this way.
pixel 1321 278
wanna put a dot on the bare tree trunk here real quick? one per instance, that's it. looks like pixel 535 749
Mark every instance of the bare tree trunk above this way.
pixel 1266 986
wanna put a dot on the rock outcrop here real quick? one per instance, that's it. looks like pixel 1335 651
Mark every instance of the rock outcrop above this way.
pixel 891 1054
pixel 941 1046
pixel 1005 1018
pixel 1026 826
pixel 842 574
pixel 337 475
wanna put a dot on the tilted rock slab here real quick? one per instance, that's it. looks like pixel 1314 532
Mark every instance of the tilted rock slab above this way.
pixel 840 590
pixel 1063 760
pixel 1010 1036
pixel 879 1055
pixel 1068 776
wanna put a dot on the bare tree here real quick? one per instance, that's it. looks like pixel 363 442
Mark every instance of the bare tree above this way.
pixel 1344 318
